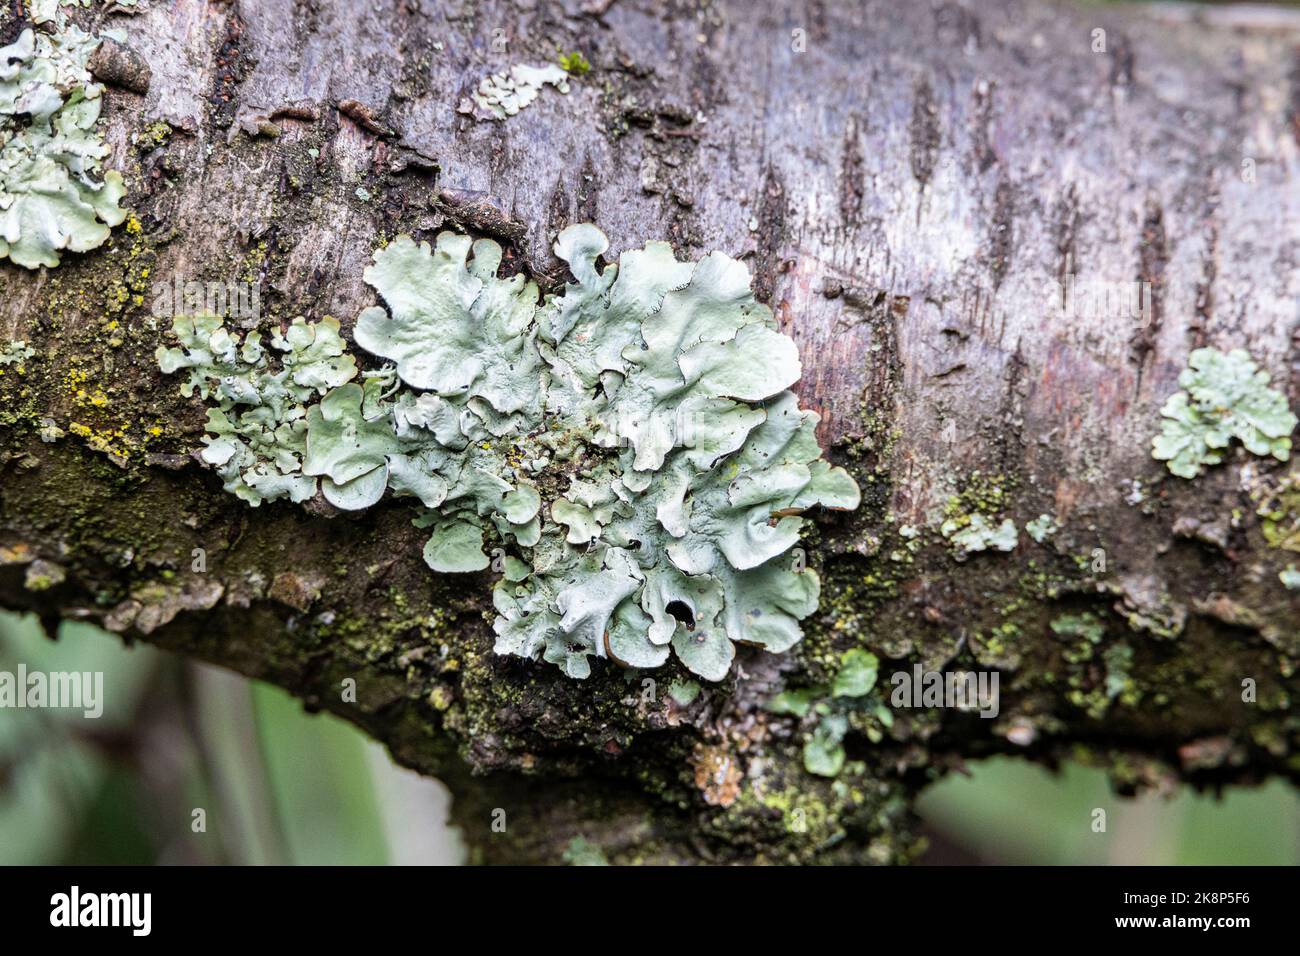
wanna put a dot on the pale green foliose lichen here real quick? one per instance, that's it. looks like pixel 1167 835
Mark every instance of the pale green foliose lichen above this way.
pixel 51 11
pixel 1042 528
pixel 51 195
pixel 631 444
pixel 1224 396
pixel 848 698
pixel 978 533
pixel 258 429
pixel 16 353
pixel 857 674
pixel 505 94
pixel 1086 625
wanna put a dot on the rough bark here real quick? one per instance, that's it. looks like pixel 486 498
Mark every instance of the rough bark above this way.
pixel 902 189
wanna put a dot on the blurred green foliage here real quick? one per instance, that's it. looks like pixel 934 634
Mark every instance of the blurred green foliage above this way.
pixel 274 783
pixel 1009 811
pixel 278 785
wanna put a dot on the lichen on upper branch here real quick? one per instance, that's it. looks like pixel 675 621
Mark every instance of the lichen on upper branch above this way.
pixel 51 196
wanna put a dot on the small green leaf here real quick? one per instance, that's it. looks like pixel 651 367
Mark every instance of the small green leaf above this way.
pixel 684 692
pixel 823 752
pixel 796 702
pixel 857 674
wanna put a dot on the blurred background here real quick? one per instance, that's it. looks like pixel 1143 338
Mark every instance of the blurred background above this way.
pixel 274 784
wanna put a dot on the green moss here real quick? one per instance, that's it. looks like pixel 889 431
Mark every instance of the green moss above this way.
pixel 853 818
pixel 90 315
pixel 152 137
pixel 255 262
pixel 980 493
pixel 575 64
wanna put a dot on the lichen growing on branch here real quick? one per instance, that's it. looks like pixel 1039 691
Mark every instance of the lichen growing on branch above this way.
pixel 630 445
pixel 1224 396
pixel 505 94
pixel 51 196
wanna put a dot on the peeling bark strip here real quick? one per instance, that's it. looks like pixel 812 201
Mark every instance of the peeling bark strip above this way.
pixel 1001 237
pixel 1153 258
pixel 1295 94
pixel 924 133
pixel 852 184
pixel 1013 519
pixel 771 238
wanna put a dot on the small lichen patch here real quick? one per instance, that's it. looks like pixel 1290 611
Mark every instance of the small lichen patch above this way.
pixel 630 444
pixel 971 517
pixel 857 674
pixel 823 751
pixel 16 354
pixel 51 11
pixel 505 94
pixel 1042 528
pixel 1086 625
pixel 1223 396
pixel 1278 508
pixel 684 692
pixel 977 533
